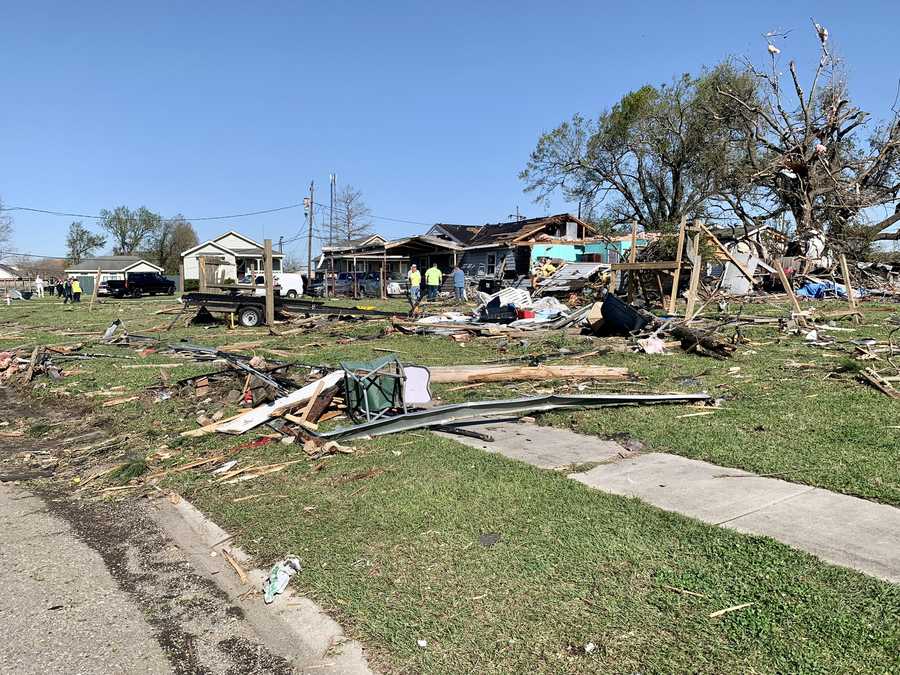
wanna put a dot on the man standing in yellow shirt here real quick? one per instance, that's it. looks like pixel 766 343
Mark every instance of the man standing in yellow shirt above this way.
pixel 433 278
pixel 414 276
pixel 76 290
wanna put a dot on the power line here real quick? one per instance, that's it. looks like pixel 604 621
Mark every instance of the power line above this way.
pixel 31 255
pixel 98 217
pixel 287 207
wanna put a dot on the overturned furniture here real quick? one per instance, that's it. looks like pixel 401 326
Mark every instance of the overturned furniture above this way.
pixel 373 389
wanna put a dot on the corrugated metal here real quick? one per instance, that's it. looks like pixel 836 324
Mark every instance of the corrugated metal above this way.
pixel 572 276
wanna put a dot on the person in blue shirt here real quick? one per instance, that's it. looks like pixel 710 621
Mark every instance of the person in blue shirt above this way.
pixel 459 283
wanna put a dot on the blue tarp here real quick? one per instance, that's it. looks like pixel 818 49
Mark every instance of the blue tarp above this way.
pixel 817 290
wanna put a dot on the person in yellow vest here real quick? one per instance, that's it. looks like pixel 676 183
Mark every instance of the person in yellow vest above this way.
pixel 414 277
pixel 76 290
pixel 433 278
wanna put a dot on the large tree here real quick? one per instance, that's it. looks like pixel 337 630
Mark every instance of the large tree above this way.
pixel 807 150
pixel 130 230
pixel 651 158
pixel 81 242
pixel 167 243
pixel 352 218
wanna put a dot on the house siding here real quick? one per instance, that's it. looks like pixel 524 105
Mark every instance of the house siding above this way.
pixel 479 259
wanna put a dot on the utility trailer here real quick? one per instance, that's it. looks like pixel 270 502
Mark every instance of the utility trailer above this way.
pixel 250 310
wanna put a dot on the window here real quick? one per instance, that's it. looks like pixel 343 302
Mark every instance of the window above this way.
pixel 491 263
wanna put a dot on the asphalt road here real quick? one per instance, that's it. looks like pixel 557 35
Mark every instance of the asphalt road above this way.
pixel 99 588
pixel 61 611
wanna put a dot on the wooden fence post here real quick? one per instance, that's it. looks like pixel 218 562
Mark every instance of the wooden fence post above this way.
pixel 96 287
pixel 270 284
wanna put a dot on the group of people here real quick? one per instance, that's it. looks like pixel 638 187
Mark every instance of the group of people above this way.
pixel 69 289
pixel 433 279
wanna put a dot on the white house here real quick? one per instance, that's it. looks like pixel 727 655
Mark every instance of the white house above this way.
pixel 234 256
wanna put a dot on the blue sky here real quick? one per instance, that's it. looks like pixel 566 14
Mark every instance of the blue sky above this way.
pixel 430 109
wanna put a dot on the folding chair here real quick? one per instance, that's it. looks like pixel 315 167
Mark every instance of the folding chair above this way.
pixel 375 388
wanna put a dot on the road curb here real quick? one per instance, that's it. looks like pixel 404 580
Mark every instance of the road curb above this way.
pixel 294 627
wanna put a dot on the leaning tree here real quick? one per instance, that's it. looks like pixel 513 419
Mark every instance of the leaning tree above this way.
pixel 809 151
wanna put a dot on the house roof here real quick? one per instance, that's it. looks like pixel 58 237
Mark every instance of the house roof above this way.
pixel 459 233
pixel 247 239
pixel 9 269
pixel 109 263
pixel 503 233
pixel 350 244
pixel 424 241
pixel 254 248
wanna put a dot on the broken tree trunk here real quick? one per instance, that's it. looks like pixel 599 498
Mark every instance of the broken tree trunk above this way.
pixel 524 373
pixel 703 343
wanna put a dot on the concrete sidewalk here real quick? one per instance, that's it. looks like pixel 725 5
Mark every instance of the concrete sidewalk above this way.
pixel 837 528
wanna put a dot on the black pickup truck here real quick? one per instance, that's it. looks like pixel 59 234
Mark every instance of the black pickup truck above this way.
pixel 137 284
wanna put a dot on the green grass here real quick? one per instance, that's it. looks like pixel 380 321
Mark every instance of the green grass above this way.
pixel 817 425
pixel 395 556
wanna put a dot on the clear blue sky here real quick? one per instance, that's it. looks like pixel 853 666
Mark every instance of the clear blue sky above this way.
pixel 430 109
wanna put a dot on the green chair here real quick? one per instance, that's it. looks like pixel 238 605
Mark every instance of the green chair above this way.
pixel 374 388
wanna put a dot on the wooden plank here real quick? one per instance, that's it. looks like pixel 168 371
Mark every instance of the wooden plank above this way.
pixel 632 258
pixel 676 278
pixel 96 287
pixel 656 265
pixel 851 301
pixel 779 268
pixel 201 273
pixel 696 265
pixel 31 363
pixel 320 385
pixel 444 374
pixel 263 413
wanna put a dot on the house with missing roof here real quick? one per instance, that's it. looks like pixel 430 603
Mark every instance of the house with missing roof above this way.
pixel 232 255
pixel 499 250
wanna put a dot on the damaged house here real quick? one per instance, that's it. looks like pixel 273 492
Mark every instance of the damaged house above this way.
pixel 494 251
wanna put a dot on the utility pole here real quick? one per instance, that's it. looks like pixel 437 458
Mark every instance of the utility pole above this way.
pixel 281 244
pixel 270 284
pixel 312 208
pixel 333 180
pixel 329 272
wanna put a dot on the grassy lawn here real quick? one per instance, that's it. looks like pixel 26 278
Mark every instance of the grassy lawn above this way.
pixel 389 536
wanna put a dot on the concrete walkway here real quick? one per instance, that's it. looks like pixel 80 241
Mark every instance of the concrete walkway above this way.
pixel 839 529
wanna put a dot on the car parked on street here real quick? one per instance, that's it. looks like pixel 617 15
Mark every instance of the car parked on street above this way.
pixel 136 284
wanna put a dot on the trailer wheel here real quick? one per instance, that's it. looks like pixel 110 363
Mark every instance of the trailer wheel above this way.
pixel 249 317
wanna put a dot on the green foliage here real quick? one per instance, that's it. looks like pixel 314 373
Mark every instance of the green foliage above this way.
pixel 653 157
pixel 129 229
pixel 82 243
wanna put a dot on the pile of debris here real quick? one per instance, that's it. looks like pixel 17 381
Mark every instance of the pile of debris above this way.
pixel 21 367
